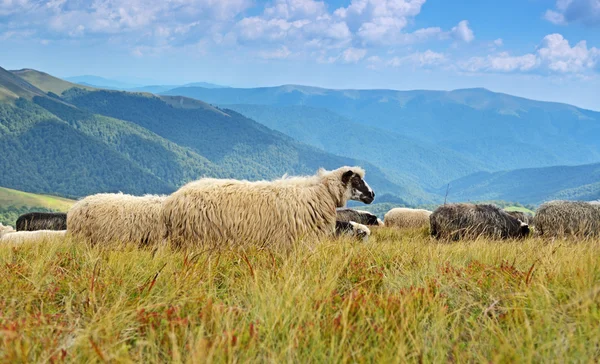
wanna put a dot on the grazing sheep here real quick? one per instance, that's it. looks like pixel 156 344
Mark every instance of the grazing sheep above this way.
pixel 525 217
pixel 405 218
pixel 457 221
pixel 359 216
pixel 111 217
pixel 28 236
pixel 5 230
pixel 42 221
pixel 266 212
pixel 352 228
pixel 561 218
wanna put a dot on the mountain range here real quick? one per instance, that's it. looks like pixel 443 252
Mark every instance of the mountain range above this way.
pixel 71 139
pixel 57 137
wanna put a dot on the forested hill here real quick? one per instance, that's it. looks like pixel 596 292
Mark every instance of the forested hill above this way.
pixel 531 185
pixel 75 141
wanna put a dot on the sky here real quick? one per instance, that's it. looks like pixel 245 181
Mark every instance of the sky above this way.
pixel 540 49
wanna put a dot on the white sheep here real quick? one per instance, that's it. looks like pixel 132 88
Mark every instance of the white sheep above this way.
pixel 29 236
pixel 405 218
pixel 117 217
pixel 279 212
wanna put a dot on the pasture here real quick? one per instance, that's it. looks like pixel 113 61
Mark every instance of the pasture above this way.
pixel 400 297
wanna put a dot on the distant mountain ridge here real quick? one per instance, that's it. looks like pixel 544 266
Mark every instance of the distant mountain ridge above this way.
pixel 501 131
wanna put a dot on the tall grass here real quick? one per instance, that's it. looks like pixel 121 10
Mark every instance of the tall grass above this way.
pixel 401 297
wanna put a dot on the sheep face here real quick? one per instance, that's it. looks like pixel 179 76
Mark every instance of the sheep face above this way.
pixel 360 190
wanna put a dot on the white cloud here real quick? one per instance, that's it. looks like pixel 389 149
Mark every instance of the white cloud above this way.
pixel 353 55
pixel 462 32
pixel 559 56
pixel 554 55
pixel 575 11
pixel 498 42
pixel 502 62
pixel 554 17
pixel 421 59
pixel 280 53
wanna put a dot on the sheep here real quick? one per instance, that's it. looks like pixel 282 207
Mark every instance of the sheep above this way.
pixel 111 217
pixel 267 213
pixel 405 218
pixel 561 218
pixel 6 230
pixel 352 228
pixel 29 236
pixel 359 216
pixel 33 221
pixel 457 221
pixel 525 217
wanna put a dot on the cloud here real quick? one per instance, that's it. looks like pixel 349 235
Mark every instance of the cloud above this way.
pixel 462 32
pixel 498 42
pixel 280 53
pixel 575 11
pixel 353 55
pixel 554 55
pixel 421 59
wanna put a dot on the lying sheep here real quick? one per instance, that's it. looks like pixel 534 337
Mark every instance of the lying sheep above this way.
pixel 6 230
pixel 562 218
pixel 458 221
pixel 33 221
pixel 221 211
pixel 359 216
pixel 117 217
pixel 405 218
pixel 351 228
pixel 31 236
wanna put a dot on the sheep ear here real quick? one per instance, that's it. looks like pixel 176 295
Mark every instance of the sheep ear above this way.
pixel 346 177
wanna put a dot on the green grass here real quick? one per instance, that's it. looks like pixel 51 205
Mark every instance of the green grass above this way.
pixel 48 83
pixel 519 208
pixel 9 197
pixel 399 298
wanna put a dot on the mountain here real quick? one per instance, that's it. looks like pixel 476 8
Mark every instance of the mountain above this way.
pixel 531 185
pixel 85 141
pixel 204 85
pixel 402 158
pixel 240 145
pixel 501 131
pixel 101 82
pixel 46 82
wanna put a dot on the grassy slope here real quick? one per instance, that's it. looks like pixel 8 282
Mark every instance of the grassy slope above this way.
pixel 399 297
pixel 46 82
pixel 10 197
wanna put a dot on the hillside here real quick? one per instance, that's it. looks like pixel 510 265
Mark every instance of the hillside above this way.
pixel 84 141
pixel 239 145
pixel 500 131
pixel 14 203
pixel 532 185
pixel 46 82
pixel 400 157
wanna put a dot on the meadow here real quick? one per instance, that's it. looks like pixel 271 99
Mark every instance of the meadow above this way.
pixel 401 297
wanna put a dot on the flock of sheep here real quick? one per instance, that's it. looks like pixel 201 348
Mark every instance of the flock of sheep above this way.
pixel 280 212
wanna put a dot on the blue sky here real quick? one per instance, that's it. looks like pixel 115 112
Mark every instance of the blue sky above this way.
pixel 541 49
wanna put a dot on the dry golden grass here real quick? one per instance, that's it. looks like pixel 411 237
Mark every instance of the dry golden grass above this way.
pixel 401 297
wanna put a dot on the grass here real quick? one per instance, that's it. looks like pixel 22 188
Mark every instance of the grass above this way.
pixel 9 197
pixel 520 209
pixel 399 298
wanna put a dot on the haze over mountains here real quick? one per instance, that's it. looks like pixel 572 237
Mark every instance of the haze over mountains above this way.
pixel 73 139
